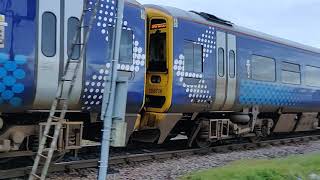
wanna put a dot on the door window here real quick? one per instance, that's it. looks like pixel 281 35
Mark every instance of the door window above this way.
pixel 232 64
pixel 221 62
pixel 73 25
pixel 49 34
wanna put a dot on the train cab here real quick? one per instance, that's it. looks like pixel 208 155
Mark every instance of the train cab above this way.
pixel 179 81
pixel 159 64
pixel 159 78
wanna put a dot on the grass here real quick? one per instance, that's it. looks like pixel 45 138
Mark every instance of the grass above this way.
pixel 291 168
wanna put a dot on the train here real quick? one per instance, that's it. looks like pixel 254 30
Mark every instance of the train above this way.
pixel 216 80
pixel 188 73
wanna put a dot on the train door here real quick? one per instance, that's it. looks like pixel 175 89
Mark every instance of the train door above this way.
pixel 231 72
pixel 71 17
pixel 159 64
pixel 48 52
pixel 58 22
pixel 226 72
pixel 221 71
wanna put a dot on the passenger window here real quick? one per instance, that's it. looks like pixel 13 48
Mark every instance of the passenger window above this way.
pixel 193 57
pixel 221 62
pixel 73 25
pixel 198 60
pixel 232 64
pixel 290 73
pixel 49 34
pixel 263 68
pixel 126 46
pixel 188 57
pixel 312 76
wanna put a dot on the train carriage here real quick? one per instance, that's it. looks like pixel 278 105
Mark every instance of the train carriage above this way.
pixel 36 36
pixel 211 80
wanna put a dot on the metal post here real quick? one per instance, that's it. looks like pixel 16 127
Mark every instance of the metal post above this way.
pixel 109 94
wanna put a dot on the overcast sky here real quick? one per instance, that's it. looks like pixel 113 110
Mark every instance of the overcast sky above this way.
pixel 296 20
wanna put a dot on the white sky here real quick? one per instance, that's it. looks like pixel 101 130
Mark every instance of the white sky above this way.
pixel 296 20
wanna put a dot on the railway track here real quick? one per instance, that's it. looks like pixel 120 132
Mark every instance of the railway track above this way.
pixel 136 158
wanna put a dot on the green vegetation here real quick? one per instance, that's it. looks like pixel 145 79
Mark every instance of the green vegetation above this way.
pixel 292 168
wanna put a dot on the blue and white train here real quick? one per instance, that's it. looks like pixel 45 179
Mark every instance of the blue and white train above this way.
pixel 211 80
pixel 35 36
pixel 189 74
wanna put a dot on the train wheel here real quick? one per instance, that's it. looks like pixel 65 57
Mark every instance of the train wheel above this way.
pixel 203 143
pixel 202 140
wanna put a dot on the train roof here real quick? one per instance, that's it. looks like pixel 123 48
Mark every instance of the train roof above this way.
pixel 134 2
pixel 217 22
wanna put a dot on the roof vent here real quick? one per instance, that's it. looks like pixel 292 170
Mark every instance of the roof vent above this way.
pixel 213 18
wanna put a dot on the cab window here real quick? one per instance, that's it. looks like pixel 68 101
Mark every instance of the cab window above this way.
pixel 158 61
pixel 126 46
pixel 157 46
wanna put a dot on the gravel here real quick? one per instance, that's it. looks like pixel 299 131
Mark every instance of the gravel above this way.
pixel 176 167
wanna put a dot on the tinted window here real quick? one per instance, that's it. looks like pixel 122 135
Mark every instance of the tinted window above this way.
pixel 73 25
pixel 49 34
pixel 263 68
pixel 232 64
pixel 313 76
pixel 193 57
pixel 188 57
pixel 157 50
pixel 290 67
pixel 290 73
pixel 126 46
pixel 221 62
pixel 198 60
pixel 290 77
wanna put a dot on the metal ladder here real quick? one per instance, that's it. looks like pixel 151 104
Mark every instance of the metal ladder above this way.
pixel 55 121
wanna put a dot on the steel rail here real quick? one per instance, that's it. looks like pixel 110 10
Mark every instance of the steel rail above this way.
pixel 136 158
